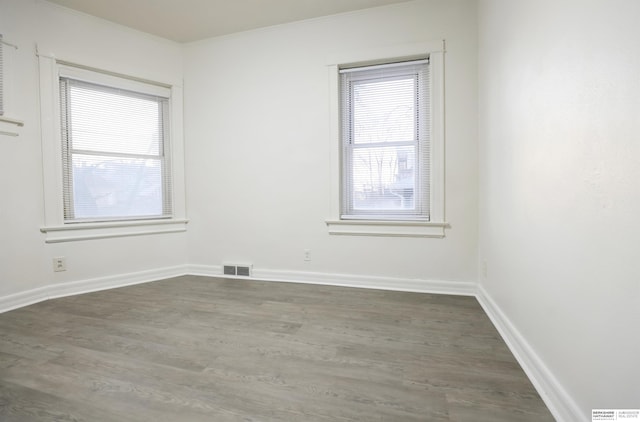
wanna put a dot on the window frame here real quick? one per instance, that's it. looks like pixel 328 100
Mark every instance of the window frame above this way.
pixel 409 227
pixel 361 75
pixel 55 227
pixel 70 77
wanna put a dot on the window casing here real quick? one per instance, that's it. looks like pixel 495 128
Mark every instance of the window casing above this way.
pixel 385 114
pixel 113 153
pixel 399 222
pixel 1 77
pixel 63 222
pixel 7 124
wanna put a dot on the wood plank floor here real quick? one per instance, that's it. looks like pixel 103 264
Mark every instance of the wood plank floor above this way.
pixel 206 349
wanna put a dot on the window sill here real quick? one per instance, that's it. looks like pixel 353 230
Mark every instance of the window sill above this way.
pixel 16 122
pixel 6 122
pixel 90 231
pixel 386 228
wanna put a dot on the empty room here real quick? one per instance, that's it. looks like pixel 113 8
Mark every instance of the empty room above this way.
pixel 319 210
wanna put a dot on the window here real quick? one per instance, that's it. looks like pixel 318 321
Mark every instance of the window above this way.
pixel 385 141
pixel 113 153
pixel 387 129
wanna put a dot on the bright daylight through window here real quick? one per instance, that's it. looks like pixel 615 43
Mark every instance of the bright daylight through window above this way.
pixel 385 114
pixel 114 160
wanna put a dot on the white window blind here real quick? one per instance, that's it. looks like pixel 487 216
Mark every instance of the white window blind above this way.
pixel 385 114
pixel 115 161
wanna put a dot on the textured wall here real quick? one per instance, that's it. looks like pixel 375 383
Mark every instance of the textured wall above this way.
pixel 560 163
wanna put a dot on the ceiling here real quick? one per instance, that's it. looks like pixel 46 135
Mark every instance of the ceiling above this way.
pixel 191 20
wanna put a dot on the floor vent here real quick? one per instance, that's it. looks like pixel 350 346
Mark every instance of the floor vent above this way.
pixel 239 270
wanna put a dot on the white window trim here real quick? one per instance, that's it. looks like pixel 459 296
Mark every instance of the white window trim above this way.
pixel 8 124
pixel 54 227
pixel 437 224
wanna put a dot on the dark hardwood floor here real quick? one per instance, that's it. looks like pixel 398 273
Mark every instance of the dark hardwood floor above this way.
pixel 207 349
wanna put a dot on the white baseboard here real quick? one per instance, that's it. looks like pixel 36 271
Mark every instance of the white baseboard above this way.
pixel 40 294
pixel 348 280
pixel 53 291
pixel 559 402
pixel 557 399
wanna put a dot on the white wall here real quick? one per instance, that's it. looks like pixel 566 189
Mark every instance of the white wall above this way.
pixel 258 146
pixel 560 164
pixel 25 259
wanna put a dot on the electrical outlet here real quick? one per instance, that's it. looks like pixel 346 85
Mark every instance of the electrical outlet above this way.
pixel 59 264
pixel 307 254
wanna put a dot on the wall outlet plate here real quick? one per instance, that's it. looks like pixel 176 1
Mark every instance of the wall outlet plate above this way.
pixel 59 264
